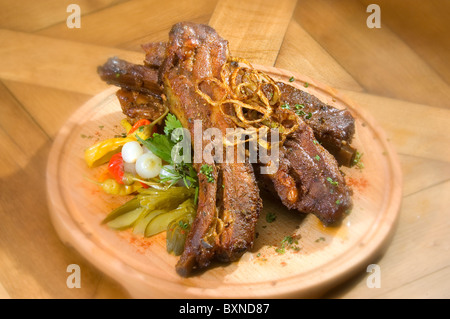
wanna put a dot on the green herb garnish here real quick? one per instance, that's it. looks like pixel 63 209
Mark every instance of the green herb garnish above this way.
pixel 162 145
pixel 270 217
pixel 207 170
pixel 335 183
pixel 357 160
pixel 288 242
pixel 320 239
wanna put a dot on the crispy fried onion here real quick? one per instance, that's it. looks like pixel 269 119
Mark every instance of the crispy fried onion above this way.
pixel 249 97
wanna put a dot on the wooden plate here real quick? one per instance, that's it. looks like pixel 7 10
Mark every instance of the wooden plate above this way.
pixel 325 258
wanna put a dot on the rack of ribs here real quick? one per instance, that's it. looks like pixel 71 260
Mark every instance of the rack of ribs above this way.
pixel 308 178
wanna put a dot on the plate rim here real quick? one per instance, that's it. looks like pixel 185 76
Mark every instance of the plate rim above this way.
pixel 76 236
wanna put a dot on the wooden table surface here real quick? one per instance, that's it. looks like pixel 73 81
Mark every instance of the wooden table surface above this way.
pixel 400 73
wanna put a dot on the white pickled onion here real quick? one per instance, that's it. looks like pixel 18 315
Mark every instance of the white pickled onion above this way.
pixel 131 151
pixel 148 165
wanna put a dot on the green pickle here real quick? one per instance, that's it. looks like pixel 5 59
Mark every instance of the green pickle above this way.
pixel 160 222
pixel 141 224
pixel 125 208
pixel 177 231
pixel 127 219
pixel 153 211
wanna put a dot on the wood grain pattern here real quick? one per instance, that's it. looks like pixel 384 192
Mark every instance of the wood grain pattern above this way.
pixel 327 255
pixel 398 73
pixel 258 27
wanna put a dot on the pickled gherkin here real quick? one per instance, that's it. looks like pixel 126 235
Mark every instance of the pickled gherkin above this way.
pixel 177 232
pixel 127 219
pixel 153 211
pixel 170 198
pixel 144 220
pixel 160 222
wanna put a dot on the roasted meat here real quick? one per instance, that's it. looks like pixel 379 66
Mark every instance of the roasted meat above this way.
pixel 308 178
pixel 229 204
pixel 332 127
pixel 137 106
pixel 130 76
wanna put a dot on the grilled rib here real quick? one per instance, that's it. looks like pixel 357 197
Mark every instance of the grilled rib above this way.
pixel 308 179
pixel 229 206
pixel 332 127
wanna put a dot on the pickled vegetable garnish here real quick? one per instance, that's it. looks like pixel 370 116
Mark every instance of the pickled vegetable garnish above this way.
pixel 152 210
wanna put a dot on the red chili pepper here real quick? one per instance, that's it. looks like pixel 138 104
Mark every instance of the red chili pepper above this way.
pixel 115 167
pixel 144 185
pixel 138 124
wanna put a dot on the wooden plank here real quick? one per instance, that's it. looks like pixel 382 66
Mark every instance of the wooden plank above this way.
pixel 377 58
pixel 30 249
pixel 21 128
pixel 3 293
pixel 431 286
pixel 424 26
pixel 254 29
pixel 301 53
pixel 129 24
pixel 420 173
pixel 29 15
pixel 49 107
pixel 419 249
pixel 56 63
pixel 415 129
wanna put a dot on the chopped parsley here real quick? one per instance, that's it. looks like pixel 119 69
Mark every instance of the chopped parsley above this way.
pixel 183 224
pixel 207 170
pixel 292 79
pixel 285 106
pixel 288 242
pixel 357 160
pixel 330 180
pixel 317 157
pixel 300 113
pixel 306 84
pixel 270 217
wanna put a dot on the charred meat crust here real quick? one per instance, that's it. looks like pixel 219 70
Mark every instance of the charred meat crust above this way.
pixel 332 127
pixel 137 106
pixel 130 76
